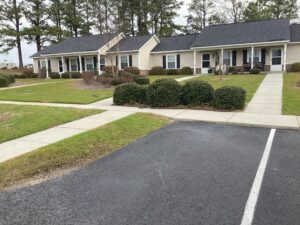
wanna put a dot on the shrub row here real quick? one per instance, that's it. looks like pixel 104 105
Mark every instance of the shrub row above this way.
pixel 168 92
pixel 6 80
pixel 295 67
pixel 66 75
pixel 158 70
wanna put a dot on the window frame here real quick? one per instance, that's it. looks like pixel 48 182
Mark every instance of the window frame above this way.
pixel 101 64
pixel 70 64
pixel 205 60
pixel 230 57
pixel 43 64
pixel 86 64
pixel 60 66
pixel 120 61
pixel 167 61
pixel 276 57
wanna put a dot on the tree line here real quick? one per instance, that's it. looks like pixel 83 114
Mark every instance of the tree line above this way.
pixel 50 21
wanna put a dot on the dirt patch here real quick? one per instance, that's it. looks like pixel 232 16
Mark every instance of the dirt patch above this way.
pixel 298 85
pixel 80 84
pixel 5 116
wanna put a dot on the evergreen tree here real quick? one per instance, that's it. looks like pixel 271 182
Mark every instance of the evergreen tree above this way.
pixel 11 12
pixel 56 12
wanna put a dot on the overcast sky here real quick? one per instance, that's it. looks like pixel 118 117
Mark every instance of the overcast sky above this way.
pixel 29 50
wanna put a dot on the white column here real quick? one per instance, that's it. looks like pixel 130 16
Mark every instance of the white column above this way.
pixel 252 57
pixel 195 69
pixel 47 69
pixel 80 64
pixel 284 57
pixel 222 60
pixel 63 64
pixel 98 64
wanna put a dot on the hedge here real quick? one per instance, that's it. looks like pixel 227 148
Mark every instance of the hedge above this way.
pixel 164 93
pixel 142 80
pixel 254 71
pixel 75 75
pixel 126 94
pixel 133 70
pixel 197 92
pixel 65 75
pixel 229 97
pixel 171 72
pixel 10 78
pixel 54 75
pixel 4 81
pixel 157 70
pixel 295 67
pixel 187 71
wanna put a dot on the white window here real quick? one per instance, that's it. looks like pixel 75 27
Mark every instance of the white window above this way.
pixel 256 55
pixel 102 62
pixel 73 65
pixel 89 63
pixel 124 61
pixel 276 56
pixel 171 61
pixel 227 58
pixel 43 64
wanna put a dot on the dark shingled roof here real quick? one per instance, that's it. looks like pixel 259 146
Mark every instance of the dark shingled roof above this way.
pixel 241 33
pixel 77 44
pixel 175 43
pixel 295 33
pixel 132 43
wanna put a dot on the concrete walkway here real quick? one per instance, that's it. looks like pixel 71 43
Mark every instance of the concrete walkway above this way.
pixel 268 98
pixel 17 147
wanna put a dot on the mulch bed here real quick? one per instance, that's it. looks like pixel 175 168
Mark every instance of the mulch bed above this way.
pixel 94 85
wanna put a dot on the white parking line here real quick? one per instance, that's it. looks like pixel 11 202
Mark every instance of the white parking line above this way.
pixel 256 186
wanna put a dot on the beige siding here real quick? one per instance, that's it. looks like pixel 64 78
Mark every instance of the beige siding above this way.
pixel 293 53
pixel 112 43
pixel 35 65
pixel 186 59
pixel 112 57
pixel 54 65
pixel 144 55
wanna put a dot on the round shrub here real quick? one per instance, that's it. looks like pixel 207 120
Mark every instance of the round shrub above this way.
pixel 28 74
pixel 172 72
pixel 133 70
pixel 142 94
pixel 65 75
pixel 187 71
pixel 164 93
pixel 116 81
pixel 254 71
pixel 75 75
pixel 142 80
pixel 11 78
pixel 54 75
pixel 106 75
pixel 197 92
pixel 4 82
pixel 126 94
pixel 229 97
pixel 295 67
pixel 157 70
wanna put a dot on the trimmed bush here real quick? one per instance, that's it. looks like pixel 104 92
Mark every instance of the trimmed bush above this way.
pixel 28 74
pixel 65 75
pixel 76 75
pixel 88 76
pixel 187 71
pixel 54 75
pixel 164 93
pixel 142 80
pixel 133 70
pixel 107 81
pixel 107 75
pixel 116 81
pixel 295 67
pixel 126 94
pixel 172 72
pixel 157 70
pixel 4 81
pixel 142 94
pixel 11 78
pixel 197 92
pixel 229 97
pixel 254 71
pixel 110 69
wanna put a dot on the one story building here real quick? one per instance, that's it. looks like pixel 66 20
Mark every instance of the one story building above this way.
pixel 270 45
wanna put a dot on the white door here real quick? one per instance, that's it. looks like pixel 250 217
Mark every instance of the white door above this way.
pixel 205 62
pixel 276 60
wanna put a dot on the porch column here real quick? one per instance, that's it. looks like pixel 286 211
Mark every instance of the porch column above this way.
pixel 195 69
pixel 222 60
pixel 80 64
pixel 98 64
pixel 252 57
pixel 284 57
pixel 63 64
pixel 47 68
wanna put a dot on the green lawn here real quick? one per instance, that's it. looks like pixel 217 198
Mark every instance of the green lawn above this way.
pixel 34 81
pixel 249 82
pixel 79 149
pixel 291 94
pixel 59 92
pixel 156 77
pixel 17 121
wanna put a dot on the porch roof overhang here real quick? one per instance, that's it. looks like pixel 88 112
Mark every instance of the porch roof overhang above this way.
pixel 244 45
pixel 67 54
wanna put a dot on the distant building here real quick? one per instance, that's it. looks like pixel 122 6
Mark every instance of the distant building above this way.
pixel 7 65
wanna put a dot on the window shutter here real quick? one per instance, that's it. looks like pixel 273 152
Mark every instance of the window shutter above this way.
pixel 233 58
pixel 263 56
pixel 78 64
pixel 49 65
pixel 117 61
pixel 164 62
pixel 83 65
pixel 95 63
pixel 245 56
pixel 178 61
pixel 130 60
pixel 68 65
pixel 60 64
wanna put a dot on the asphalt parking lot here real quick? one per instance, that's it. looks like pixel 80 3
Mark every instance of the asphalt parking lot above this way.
pixel 186 173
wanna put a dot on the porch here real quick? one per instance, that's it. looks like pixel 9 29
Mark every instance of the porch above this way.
pixel 241 59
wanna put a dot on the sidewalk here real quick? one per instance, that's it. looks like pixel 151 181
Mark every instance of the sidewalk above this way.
pixel 19 146
pixel 268 97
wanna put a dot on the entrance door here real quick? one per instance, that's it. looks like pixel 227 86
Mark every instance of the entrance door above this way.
pixel 205 62
pixel 276 63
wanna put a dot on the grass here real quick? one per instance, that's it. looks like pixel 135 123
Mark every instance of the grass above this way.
pixel 291 94
pixel 59 92
pixel 79 149
pixel 34 81
pixel 156 77
pixel 17 121
pixel 249 82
